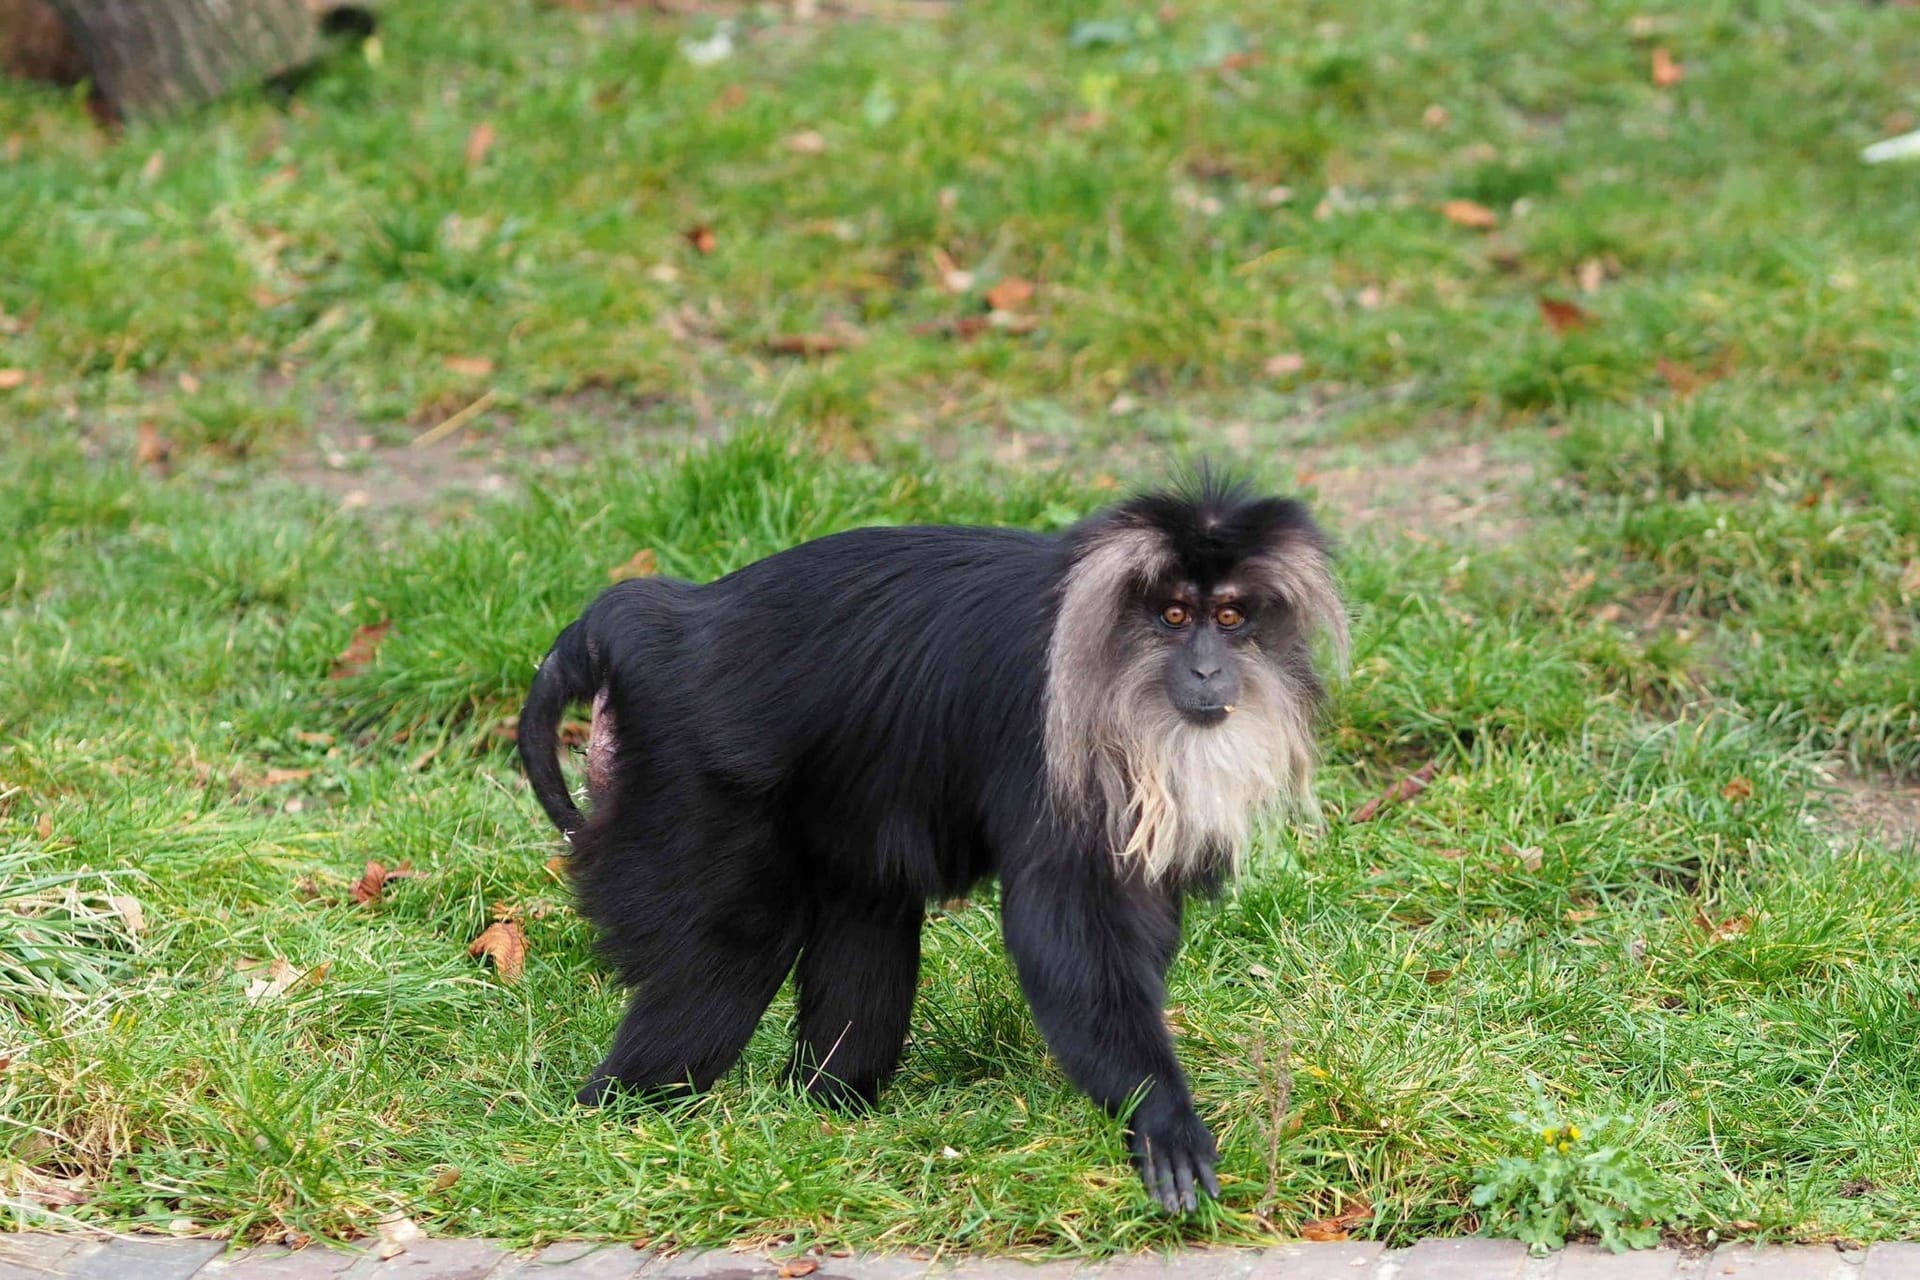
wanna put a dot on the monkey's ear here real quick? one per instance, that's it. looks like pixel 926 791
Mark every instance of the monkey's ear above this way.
pixel 1297 569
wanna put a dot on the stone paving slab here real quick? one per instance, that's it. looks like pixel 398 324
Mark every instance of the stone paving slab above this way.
pixel 1780 1262
pixel 57 1257
pixel 1324 1260
pixel 130 1258
pixel 1191 1264
pixel 36 1256
pixel 1591 1262
pixel 1892 1262
pixel 583 1260
pixel 1469 1259
pixel 453 1258
pixel 272 1262
pixel 874 1266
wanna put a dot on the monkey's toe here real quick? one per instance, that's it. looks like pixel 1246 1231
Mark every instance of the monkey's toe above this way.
pixel 1176 1165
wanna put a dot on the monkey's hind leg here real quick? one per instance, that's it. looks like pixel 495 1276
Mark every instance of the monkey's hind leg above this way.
pixel 697 1006
pixel 858 971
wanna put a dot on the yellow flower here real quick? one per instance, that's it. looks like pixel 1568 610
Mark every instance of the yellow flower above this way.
pixel 1573 1131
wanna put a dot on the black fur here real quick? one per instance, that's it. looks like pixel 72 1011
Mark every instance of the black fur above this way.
pixel 811 748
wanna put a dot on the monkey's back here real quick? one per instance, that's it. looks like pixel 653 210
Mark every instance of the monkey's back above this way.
pixel 858 691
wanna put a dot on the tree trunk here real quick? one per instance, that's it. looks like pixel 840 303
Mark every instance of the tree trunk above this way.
pixel 150 57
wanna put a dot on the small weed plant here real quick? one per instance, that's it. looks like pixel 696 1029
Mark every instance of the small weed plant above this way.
pixel 1574 1180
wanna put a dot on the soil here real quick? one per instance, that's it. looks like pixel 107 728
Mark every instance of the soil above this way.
pixel 1879 808
pixel 1454 491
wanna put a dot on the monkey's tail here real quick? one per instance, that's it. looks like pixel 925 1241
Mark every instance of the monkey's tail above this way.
pixel 565 677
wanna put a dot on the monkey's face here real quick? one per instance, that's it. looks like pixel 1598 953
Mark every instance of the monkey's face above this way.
pixel 1207 636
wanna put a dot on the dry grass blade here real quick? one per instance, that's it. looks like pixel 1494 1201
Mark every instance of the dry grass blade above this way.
pixel 63 935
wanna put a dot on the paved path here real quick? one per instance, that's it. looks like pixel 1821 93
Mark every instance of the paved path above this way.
pixel 51 1257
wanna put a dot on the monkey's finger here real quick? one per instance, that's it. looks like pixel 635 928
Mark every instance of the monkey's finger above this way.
pixel 1208 1180
pixel 1183 1181
pixel 1160 1182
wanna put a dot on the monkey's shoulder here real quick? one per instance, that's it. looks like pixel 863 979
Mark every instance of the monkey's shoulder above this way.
pixel 920 547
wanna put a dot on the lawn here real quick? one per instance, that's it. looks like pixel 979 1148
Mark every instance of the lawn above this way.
pixel 1587 329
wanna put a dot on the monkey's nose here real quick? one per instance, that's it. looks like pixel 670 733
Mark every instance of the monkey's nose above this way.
pixel 1205 673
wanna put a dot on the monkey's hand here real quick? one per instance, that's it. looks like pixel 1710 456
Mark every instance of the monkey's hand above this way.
pixel 1174 1154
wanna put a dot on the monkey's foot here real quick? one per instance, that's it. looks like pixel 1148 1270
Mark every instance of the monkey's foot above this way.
pixel 602 1089
pixel 1175 1158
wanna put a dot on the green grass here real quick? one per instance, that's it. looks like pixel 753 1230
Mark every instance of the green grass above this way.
pixel 1624 890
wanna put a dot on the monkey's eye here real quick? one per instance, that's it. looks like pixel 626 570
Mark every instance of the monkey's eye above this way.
pixel 1228 617
pixel 1176 615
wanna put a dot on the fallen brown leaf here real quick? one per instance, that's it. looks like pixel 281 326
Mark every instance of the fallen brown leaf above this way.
pixel 479 142
pixel 1529 856
pixel 1284 365
pixel 469 366
pixel 1666 72
pixel 1470 213
pixel 808 142
pixel 1013 321
pixel 953 277
pixel 504 944
pixel 275 978
pixel 794 1268
pixel 1405 789
pixel 1562 316
pixel 11 378
pixel 812 344
pixel 1591 275
pixel 313 739
pixel 360 651
pixel 1339 1225
pixel 1681 380
pixel 278 777
pixel 445 1179
pixel 366 890
pixel 44 827
pixel 961 329
pixel 152 449
pixel 188 384
pixel 56 1195
pixel 128 909
pixel 642 564
pixel 702 239
pixel 1010 294
pixel 1737 790
pixel 1722 930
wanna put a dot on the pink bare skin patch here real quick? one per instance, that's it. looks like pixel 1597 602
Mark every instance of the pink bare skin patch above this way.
pixel 600 742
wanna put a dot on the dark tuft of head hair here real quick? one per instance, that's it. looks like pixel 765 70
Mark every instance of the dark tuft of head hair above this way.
pixel 1216 521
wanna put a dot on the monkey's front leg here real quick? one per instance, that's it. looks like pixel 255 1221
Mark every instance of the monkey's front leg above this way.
pixel 1091 956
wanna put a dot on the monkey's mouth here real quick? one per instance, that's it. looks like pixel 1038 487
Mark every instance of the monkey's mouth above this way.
pixel 1213 714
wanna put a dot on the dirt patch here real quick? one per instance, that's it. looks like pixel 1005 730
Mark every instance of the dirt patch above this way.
pixel 1879 808
pixel 1454 491
pixel 485 455
pixel 377 477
